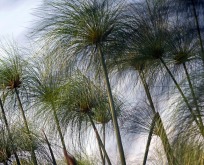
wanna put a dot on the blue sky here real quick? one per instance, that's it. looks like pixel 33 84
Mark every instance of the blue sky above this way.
pixel 16 18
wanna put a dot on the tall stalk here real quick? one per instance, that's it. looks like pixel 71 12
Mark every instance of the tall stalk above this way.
pixel 99 140
pixel 193 95
pixel 150 138
pixel 9 133
pixel 69 159
pixel 146 88
pixel 104 141
pixel 100 150
pixel 161 133
pixel 112 108
pixel 33 156
pixel 183 96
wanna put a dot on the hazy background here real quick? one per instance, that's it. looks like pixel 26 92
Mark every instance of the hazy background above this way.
pixel 16 18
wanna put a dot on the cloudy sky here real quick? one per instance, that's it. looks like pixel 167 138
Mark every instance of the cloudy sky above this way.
pixel 16 18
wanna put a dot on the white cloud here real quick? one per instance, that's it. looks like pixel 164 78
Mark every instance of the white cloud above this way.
pixel 16 17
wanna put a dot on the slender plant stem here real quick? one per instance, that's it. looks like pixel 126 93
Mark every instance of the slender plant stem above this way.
pixel 167 147
pixel 183 96
pixel 69 159
pixel 9 132
pixel 113 111
pixel 100 150
pixel 33 156
pixel 50 148
pixel 146 88
pixel 150 138
pixel 194 97
pixel 162 132
pixel 99 140
pixel 165 142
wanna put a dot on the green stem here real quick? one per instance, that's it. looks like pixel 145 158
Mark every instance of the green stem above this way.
pixel 150 138
pixel 33 156
pixel 104 141
pixel 9 132
pixel 100 150
pixel 167 147
pixel 99 140
pixel 194 97
pixel 112 108
pixel 183 96
pixel 146 88
pixel 162 133
pixel 50 148
pixel 69 159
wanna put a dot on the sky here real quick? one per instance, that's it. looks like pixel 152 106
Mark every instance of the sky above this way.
pixel 16 17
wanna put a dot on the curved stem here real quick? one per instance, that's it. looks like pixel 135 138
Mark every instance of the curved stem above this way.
pixel 112 108
pixel 33 156
pixel 99 139
pixel 9 132
pixel 183 96
pixel 194 96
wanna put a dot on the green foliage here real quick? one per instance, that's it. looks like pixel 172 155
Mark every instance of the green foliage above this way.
pixel 81 96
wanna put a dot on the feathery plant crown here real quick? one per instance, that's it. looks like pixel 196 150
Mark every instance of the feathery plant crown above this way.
pixel 81 96
pixel 78 28
pixel 12 67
